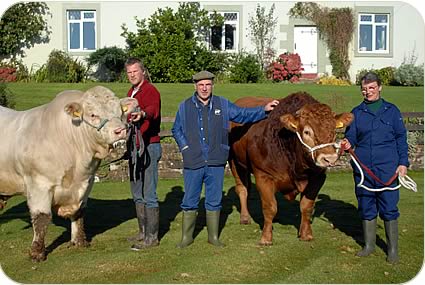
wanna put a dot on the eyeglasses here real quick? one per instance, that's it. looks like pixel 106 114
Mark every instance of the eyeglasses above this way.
pixel 371 87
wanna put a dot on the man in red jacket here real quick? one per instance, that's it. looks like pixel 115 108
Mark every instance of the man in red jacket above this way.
pixel 145 152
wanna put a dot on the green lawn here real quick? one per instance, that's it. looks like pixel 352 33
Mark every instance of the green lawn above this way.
pixel 329 258
pixel 340 98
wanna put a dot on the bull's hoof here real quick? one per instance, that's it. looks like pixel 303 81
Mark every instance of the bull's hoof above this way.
pixel 265 242
pixel 81 243
pixel 306 238
pixel 38 257
pixel 37 252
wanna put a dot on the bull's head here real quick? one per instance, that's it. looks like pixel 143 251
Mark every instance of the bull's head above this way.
pixel 104 115
pixel 315 126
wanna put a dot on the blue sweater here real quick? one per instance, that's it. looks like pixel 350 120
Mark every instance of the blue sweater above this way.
pixel 379 140
pixel 190 136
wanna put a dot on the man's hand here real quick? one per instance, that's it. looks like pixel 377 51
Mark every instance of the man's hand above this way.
pixel 270 106
pixel 136 116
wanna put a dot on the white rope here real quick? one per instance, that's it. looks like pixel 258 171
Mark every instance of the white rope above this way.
pixel 337 146
pixel 405 181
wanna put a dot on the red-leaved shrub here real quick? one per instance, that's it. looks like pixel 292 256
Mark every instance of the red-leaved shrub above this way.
pixel 286 67
pixel 7 74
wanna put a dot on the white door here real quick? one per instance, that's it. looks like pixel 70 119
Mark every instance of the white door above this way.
pixel 305 44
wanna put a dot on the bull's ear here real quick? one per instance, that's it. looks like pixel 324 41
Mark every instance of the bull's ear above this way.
pixel 128 105
pixel 289 122
pixel 75 110
pixel 343 120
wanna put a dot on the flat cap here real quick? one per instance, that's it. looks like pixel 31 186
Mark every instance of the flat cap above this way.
pixel 203 75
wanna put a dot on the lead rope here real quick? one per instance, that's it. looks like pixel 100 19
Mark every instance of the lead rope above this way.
pixel 405 181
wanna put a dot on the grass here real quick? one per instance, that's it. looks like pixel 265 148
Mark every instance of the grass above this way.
pixel 340 98
pixel 329 258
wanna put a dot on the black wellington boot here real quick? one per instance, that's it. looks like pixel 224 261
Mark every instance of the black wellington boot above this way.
pixel 140 213
pixel 369 233
pixel 391 232
pixel 152 228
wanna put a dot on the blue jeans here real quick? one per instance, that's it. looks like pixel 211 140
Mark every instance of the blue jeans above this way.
pixel 143 188
pixel 212 177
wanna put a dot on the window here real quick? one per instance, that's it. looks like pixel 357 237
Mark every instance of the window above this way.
pixel 81 30
pixel 225 38
pixel 373 33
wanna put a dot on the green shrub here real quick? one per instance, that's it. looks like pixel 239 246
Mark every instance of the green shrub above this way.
pixel 409 75
pixel 60 67
pixel 7 98
pixel 215 62
pixel 360 74
pixel 245 69
pixel 386 74
pixel 171 43
pixel 109 62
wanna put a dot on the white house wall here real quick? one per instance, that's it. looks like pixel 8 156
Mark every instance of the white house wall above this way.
pixel 407 28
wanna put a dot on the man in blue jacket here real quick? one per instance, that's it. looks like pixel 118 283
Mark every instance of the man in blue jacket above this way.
pixel 379 139
pixel 201 132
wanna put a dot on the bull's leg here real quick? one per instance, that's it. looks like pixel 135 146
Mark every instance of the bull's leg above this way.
pixel 307 201
pixel 306 208
pixel 40 222
pixel 243 182
pixel 265 187
pixel 78 235
pixel 39 200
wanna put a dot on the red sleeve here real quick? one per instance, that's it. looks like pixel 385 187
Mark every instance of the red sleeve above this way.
pixel 150 102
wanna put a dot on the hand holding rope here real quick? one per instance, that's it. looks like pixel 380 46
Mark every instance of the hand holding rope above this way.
pixel 405 180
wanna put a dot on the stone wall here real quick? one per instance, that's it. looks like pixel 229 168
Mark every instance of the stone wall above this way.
pixel 171 164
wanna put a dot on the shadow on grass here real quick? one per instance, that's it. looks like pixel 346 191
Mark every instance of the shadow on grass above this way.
pixel 343 216
pixel 103 215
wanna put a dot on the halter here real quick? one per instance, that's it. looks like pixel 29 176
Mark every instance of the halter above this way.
pixel 311 150
pixel 101 125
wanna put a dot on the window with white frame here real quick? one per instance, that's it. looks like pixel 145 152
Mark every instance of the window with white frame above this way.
pixel 373 33
pixel 81 30
pixel 226 37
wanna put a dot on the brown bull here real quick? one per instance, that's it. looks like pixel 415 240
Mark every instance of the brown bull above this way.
pixel 283 161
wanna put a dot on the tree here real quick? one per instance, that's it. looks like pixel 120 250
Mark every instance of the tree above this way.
pixel 262 33
pixel 22 26
pixel 336 28
pixel 170 43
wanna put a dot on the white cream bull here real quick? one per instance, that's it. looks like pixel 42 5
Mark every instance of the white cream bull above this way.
pixel 50 154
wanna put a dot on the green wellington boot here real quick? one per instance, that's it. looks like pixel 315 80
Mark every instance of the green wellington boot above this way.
pixel 188 226
pixel 213 222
